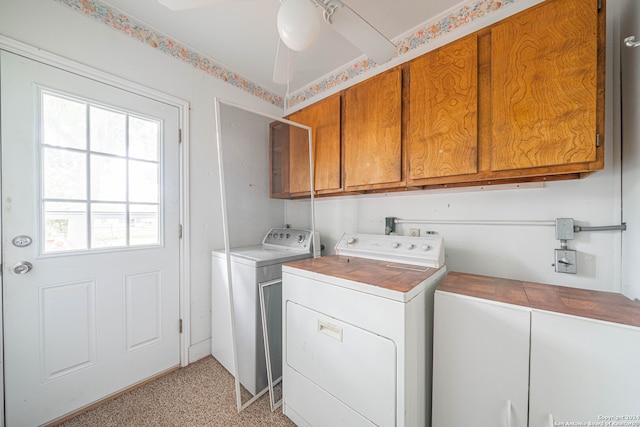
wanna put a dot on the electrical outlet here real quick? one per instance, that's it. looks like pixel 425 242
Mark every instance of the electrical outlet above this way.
pixel 414 232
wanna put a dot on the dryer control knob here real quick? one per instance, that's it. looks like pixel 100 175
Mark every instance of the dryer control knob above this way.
pixel 351 241
pixel 395 245
pixel 426 247
pixel 410 246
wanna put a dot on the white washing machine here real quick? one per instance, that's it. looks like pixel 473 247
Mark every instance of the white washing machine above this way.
pixel 357 332
pixel 251 266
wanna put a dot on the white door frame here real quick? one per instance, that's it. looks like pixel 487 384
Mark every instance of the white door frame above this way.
pixel 65 64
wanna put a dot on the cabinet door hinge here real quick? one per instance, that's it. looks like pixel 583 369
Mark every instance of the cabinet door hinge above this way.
pixel 180 325
pixel 597 140
pixel 180 231
pixel 599 4
pixel 179 136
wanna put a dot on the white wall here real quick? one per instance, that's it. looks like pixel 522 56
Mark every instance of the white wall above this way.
pixel 629 24
pixel 58 29
pixel 245 146
pixel 518 252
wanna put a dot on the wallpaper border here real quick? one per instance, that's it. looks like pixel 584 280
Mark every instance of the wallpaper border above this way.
pixel 425 33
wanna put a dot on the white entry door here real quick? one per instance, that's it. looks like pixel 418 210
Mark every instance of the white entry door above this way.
pixel 90 217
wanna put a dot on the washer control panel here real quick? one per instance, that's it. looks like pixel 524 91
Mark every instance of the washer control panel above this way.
pixel 426 251
pixel 288 238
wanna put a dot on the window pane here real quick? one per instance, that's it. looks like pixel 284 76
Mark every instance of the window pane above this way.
pixel 107 130
pixel 64 174
pixel 101 176
pixel 65 226
pixel 143 138
pixel 143 227
pixel 108 178
pixel 143 182
pixel 108 225
pixel 64 122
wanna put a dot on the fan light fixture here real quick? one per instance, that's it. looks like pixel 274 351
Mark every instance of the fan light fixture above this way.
pixel 298 24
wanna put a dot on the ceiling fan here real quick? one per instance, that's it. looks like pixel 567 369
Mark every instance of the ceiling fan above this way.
pixel 298 25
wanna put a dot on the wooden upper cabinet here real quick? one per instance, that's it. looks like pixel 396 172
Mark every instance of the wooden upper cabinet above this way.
pixel 443 112
pixel 520 100
pixel 279 159
pixel 299 178
pixel 372 133
pixel 324 119
pixel 544 86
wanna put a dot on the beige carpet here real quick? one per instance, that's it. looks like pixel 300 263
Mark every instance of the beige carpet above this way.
pixel 202 394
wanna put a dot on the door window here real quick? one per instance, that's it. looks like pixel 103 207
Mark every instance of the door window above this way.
pixel 100 176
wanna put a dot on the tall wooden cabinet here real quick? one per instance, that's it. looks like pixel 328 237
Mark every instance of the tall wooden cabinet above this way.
pixel 511 353
pixel 372 134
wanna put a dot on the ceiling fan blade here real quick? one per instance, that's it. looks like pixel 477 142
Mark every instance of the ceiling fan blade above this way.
pixel 285 63
pixel 361 34
pixel 187 4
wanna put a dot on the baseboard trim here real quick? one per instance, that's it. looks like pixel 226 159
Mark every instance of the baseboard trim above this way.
pixel 199 350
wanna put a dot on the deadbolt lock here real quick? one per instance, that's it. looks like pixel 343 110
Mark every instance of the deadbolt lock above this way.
pixel 21 241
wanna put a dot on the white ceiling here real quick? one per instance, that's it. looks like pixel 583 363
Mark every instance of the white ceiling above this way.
pixel 242 36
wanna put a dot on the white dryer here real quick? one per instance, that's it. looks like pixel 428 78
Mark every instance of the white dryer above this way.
pixel 357 332
pixel 251 266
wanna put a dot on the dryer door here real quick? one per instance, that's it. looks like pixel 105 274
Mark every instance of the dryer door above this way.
pixel 354 365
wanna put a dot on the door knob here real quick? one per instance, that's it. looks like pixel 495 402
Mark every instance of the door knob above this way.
pixel 22 267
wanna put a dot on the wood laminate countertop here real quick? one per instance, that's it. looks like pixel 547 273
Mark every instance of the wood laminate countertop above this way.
pixel 599 305
pixel 389 275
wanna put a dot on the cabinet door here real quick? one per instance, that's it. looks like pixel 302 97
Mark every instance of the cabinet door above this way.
pixel 544 74
pixel 443 112
pixel 373 133
pixel 583 369
pixel 324 118
pixel 279 159
pixel 480 362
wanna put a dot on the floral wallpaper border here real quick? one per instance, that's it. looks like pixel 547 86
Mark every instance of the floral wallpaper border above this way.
pixel 130 27
pixel 429 31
